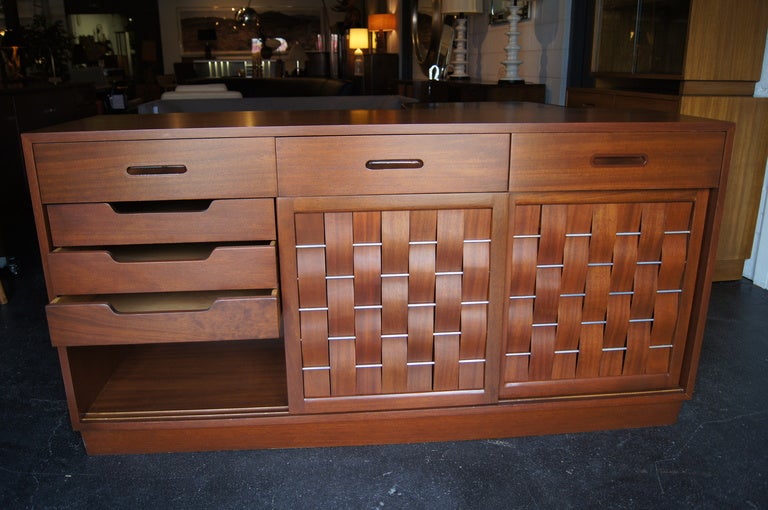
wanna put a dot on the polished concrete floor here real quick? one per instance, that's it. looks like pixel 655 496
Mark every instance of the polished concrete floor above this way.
pixel 715 457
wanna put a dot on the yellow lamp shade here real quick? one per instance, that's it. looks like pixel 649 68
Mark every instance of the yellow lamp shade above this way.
pixel 358 38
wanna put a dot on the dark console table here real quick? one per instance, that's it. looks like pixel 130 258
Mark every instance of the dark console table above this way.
pixel 462 91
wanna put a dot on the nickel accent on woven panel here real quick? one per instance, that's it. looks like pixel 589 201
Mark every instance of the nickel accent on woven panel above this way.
pixel 393 301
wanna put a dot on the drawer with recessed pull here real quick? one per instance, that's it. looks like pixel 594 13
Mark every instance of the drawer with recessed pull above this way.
pixel 186 221
pixel 377 165
pixel 166 317
pixel 163 268
pixel 178 169
pixel 615 161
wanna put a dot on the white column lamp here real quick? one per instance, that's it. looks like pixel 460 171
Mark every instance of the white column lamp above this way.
pixel 512 62
pixel 358 40
pixel 460 8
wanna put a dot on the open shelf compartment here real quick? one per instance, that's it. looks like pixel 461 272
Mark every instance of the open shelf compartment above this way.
pixel 177 381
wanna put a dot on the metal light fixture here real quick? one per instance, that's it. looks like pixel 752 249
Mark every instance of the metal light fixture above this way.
pixel 246 15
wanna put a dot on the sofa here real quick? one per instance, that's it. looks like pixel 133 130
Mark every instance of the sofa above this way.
pixel 214 104
pixel 283 87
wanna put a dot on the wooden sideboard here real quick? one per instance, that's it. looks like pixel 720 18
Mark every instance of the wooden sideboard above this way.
pixel 276 279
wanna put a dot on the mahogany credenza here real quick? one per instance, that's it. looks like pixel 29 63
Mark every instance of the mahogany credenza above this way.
pixel 463 271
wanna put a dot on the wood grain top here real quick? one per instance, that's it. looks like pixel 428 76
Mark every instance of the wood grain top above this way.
pixel 481 117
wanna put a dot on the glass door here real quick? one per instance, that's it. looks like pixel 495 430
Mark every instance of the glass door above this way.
pixel 640 36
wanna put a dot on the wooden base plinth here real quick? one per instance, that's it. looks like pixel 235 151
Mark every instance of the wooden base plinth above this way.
pixel 387 427
pixel 728 270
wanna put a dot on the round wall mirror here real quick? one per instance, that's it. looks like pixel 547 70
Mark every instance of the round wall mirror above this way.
pixel 426 30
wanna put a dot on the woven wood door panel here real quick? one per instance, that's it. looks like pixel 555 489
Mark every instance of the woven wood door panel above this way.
pixel 597 296
pixel 392 302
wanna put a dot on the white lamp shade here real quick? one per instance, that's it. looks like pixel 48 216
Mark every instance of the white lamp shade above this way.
pixel 358 38
pixel 462 6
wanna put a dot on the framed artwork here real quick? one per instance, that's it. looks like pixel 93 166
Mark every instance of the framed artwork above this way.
pixel 217 29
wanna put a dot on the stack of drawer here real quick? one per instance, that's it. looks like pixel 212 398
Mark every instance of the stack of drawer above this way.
pixel 149 246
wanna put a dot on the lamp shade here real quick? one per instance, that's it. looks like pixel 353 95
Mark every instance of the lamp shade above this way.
pixel 462 6
pixel 358 38
pixel 382 22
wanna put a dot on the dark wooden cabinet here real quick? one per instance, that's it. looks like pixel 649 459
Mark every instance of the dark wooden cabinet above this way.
pixel 460 91
pixel 641 37
pixel 380 73
pixel 24 109
pixel 440 273
pixel 698 46
pixel 622 99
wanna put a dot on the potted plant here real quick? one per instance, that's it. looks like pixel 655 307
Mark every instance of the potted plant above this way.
pixel 48 48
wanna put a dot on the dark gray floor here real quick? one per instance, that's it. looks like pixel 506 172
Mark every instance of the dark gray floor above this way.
pixel 716 456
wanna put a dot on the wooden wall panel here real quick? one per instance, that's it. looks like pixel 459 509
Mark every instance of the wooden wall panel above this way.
pixel 726 40
pixel 745 180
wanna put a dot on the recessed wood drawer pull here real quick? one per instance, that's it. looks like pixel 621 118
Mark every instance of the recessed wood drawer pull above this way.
pixel 167 206
pixel 156 169
pixel 393 164
pixel 620 160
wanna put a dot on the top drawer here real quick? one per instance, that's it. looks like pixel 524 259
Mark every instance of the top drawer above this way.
pixel 615 161
pixel 132 170
pixel 389 164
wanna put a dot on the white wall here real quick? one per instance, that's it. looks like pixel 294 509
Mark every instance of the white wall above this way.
pixel 756 268
pixel 543 41
pixel 544 47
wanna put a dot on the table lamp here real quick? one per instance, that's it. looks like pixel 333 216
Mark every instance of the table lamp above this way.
pixel 512 61
pixel 460 8
pixel 358 40
pixel 381 24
